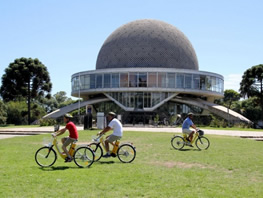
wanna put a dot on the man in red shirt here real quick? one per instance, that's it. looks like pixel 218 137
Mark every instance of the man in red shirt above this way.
pixel 73 135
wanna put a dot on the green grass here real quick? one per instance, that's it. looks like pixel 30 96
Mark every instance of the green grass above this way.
pixel 231 167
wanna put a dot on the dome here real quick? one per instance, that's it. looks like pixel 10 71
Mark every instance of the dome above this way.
pixel 147 43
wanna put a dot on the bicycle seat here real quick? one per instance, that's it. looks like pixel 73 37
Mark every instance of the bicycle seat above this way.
pixel 75 141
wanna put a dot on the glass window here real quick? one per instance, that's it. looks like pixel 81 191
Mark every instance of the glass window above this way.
pixel 120 98
pixel 196 82
pixel 155 98
pixel 124 80
pixel 202 83
pixel 147 100
pixel 142 79
pixel 86 84
pixel 188 81
pixel 208 83
pixel 81 82
pixel 115 80
pixel 99 81
pixel 132 79
pixel 213 83
pixel 126 97
pixel 75 83
pixel 162 79
pixel 152 79
pixel 92 81
pixel 132 100
pixel 180 81
pixel 107 78
pixel 221 85
pixel 171 80
pixel 139 100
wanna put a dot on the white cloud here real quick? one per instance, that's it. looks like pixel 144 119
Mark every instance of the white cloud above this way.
pixel 232 81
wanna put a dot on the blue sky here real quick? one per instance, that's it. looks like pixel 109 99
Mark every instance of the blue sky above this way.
pixel 66 36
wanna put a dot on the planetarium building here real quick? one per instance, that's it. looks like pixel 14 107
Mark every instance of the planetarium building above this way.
pixel 147 68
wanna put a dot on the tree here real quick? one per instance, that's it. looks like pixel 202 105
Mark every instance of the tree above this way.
pixel 3 114
pixel 230 96
pixel 60 96
pixel 62 99
pixel 252 84
pixel 250 108
pixel 25 78
pixel 16 112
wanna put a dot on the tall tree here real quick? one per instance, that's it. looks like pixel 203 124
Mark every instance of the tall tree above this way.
pixel 252 84
pixel 60 96
pixel 230 96
pixel 25 78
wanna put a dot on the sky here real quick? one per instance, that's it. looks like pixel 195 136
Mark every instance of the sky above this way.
pixel 66 35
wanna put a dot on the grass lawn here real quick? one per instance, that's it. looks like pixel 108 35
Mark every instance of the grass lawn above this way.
pixel 231 167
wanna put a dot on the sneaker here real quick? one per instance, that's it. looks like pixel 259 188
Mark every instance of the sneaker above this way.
pixel 67 159
pixel 189 144
pixel 107 155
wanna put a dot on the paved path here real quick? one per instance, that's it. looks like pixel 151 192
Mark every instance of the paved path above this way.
pixel 13 132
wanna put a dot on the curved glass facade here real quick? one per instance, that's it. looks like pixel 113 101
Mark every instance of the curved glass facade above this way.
pixel 171 80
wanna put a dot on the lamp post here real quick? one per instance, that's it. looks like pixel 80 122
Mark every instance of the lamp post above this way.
pixel 79 97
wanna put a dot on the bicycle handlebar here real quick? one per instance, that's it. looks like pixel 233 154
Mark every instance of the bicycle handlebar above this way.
pixel 98 137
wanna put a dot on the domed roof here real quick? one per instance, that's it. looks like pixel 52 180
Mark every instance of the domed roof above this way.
pixel 147 43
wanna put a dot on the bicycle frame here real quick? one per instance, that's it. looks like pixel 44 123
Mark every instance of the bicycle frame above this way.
pixel 46 156
pixel 63 155
pixel 193 139
pixel 125 152
pixel 201 142
pixel 101 141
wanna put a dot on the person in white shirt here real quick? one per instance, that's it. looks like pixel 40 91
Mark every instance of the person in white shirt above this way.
pixel 116 125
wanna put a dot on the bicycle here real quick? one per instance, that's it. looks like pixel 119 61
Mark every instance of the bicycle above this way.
pixel 126 152
pixel 46 156
pixel 201 142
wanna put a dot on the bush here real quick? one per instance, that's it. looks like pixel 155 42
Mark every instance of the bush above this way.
pixel 47 122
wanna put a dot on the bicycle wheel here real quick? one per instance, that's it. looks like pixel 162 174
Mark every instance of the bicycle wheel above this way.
pixel 98 152
pixel 83 157
pixel 45 156
pixel 126 153
pixel 202 143
pixel 177 142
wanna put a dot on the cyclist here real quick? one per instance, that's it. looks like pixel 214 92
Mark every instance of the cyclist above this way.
pixel 116 125
pixel 73 135
pixel 188 122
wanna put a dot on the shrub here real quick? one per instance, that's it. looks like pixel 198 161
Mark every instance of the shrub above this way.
pixel 47 122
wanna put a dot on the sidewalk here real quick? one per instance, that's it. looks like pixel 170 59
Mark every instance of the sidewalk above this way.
pixel 13 132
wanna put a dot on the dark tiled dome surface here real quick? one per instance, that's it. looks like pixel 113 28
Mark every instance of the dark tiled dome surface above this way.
pixel 147 43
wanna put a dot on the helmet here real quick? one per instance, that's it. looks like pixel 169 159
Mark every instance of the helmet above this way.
pixel 190 114
pixel 67 115
pixel 112 113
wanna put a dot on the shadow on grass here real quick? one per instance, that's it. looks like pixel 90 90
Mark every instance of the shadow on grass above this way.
pixel 59 168
pixel 54 168
pixel 186 149
pixel 107 162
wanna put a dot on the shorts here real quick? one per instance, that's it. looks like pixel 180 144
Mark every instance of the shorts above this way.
pixel 68 141
pixel 111 138
pixel 187 131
